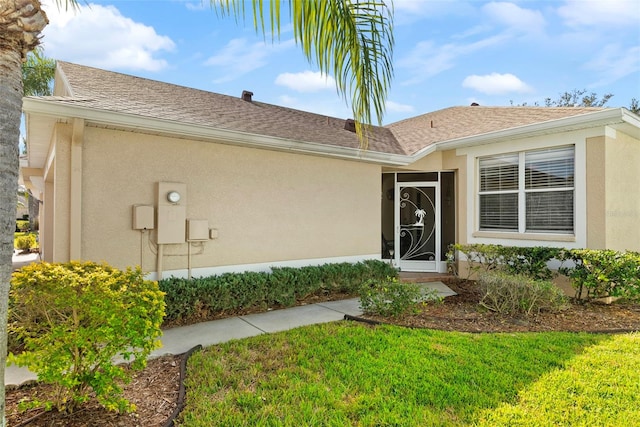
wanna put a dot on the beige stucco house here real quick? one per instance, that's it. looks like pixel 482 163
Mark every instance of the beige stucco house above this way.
pixel 186 182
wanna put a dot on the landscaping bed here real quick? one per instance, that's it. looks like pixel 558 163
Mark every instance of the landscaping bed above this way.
pixel 155 390
pixel 462 313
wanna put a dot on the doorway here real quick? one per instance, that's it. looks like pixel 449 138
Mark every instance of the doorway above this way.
pixel 418 219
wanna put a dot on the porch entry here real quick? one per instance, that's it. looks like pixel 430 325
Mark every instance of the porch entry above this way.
pixel 421 224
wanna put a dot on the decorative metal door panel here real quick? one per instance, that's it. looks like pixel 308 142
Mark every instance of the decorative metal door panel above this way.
pixel 417 231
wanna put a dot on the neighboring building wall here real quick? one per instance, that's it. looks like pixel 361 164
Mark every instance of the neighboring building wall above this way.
pixel 622 190
pixel 267 206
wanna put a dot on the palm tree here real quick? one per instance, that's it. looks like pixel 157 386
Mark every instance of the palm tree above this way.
pixel 37 73
pixel 351 39
pixel 21 22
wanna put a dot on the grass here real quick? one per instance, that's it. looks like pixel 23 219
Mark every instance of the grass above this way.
pixel 346 374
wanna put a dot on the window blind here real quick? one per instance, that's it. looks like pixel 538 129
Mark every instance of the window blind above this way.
pixel 550 211
pixel 549 168
pixel 499 173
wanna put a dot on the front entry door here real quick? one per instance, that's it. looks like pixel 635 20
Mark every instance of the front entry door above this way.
pixel 417 237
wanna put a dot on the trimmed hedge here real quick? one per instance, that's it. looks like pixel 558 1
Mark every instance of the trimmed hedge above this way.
pixel 596 273
pixel 189 300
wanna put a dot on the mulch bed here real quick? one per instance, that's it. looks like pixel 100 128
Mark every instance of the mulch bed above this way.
pixel 155 390
pixel 463 313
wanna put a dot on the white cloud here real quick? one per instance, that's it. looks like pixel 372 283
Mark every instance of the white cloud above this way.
pixel 427 59
pixel 407 11
pixel 240 57
pixel 115 40
pixel 581 13
pixel 395 107
pixel 614 62
pixel 196 6
pixel 496 84
pixel 515 18
pixel 307 81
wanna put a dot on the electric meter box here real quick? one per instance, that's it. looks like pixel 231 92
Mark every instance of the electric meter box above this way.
pixel 172 212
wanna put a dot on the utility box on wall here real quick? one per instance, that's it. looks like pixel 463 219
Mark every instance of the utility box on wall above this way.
pixel 143 217
pixel 197 230
pixel 172 212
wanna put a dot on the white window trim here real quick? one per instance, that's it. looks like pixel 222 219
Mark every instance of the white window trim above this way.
pixel 577 240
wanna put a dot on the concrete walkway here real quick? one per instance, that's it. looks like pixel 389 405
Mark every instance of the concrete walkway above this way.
pixel 22 260
pixel 181 339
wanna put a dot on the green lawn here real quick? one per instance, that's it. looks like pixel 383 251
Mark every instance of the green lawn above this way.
pixel 348 374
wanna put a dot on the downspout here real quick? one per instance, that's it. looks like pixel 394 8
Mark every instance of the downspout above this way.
pixel 75 190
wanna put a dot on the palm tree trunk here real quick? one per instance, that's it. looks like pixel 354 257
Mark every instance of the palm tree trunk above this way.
pixel 21 22
pixel 10 110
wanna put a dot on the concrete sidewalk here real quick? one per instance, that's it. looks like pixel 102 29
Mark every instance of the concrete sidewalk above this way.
pixel 20 260
pixel 181 339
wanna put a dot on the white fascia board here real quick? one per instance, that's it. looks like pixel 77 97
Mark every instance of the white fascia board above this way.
pixel 196 131
pixel 424 152
pixel 595 119
pixel 633 120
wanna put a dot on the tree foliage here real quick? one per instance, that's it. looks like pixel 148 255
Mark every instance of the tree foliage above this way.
pixel 37 74
pixel 351 39
pixel 578 98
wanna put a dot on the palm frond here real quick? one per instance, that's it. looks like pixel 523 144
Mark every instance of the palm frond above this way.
pixel 351 39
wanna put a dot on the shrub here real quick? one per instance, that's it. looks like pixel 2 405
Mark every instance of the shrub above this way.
pixel 518 294
pixel 529 261
pixel 604 273
pixel 22 225
pixel 389 297
pixel 26 242
pixel 73 319
pixel 190 299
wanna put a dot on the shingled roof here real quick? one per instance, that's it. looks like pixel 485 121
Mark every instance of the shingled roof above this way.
pixel 459 122
pixel 115 92
pixel 110 91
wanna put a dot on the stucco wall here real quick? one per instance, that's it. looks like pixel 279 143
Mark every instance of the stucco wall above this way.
pixel 596 196
pixel 267 206
pixel 622 189
pixel 61 177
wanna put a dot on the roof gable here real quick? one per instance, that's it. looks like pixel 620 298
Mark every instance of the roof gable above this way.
pixel 458 122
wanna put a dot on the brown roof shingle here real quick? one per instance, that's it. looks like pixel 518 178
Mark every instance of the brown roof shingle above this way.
pixel 458 122
pixel 110 91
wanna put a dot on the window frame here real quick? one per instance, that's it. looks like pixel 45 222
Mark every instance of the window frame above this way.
pixel 522 193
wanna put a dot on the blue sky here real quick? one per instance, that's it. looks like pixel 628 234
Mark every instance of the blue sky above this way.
pixel 447 52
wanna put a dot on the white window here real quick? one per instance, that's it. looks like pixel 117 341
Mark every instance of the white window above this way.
pixel 530 191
